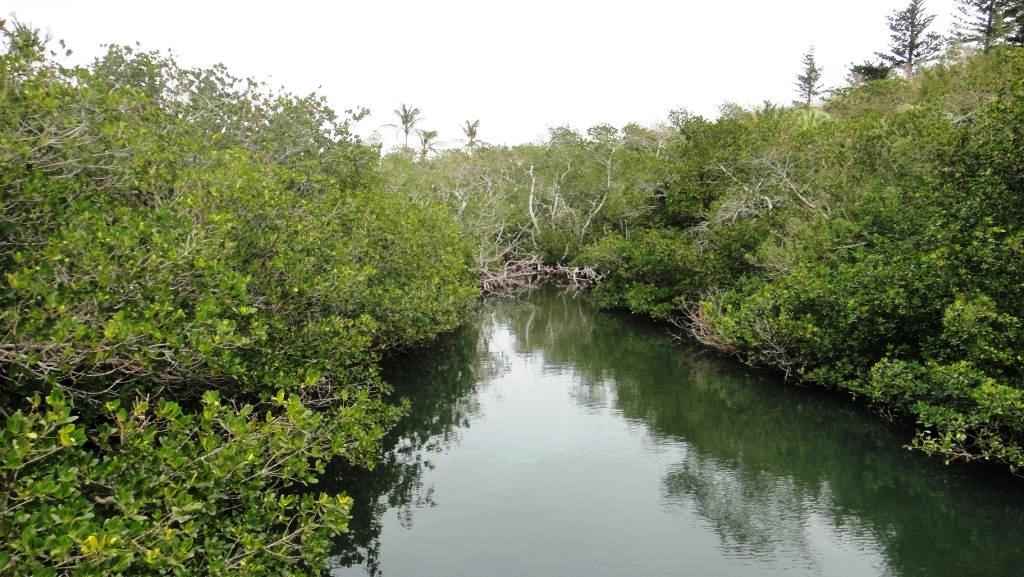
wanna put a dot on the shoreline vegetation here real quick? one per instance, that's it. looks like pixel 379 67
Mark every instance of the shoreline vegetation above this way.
pixel 200 279
pixel 201 275
pixel 869 242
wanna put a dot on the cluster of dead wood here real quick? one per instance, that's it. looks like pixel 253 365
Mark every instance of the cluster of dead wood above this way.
pixel 514 276
pixel 693 323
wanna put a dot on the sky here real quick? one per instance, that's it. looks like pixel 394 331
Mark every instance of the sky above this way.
pixel 519 66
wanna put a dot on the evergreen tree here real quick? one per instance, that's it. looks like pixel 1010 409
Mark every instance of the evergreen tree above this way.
pixel 808 82
pixel 983 22
pixel 868 71
pixel 1015 22
pixel 910 42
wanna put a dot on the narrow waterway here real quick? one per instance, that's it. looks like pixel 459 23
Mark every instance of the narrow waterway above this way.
pixel 548 438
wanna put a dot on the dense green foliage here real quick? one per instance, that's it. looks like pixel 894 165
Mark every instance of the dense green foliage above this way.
pixel 160 490
pixel 200 278
pixel 877 251
pixel 872 244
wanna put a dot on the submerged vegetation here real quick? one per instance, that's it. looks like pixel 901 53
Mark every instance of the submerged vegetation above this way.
pixel 201 275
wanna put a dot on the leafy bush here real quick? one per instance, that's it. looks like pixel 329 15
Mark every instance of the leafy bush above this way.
pixel 873 248
pixel 170 238
pixel 160 490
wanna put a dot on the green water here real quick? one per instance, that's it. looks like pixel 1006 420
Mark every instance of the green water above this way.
pixel 551 439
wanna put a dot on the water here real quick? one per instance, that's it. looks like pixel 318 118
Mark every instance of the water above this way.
pixel 550 439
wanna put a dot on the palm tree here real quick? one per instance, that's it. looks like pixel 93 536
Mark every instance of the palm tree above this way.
pixel 408 116
pixel 470 130
pixel 426 142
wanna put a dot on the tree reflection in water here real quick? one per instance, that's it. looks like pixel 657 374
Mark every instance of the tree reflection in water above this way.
pixel 762 458
pixel 768 467
pixel 440 383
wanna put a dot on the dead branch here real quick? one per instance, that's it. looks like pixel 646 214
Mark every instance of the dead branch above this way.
pixel 517 275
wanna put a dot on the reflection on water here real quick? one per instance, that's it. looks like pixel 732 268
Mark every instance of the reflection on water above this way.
pixel 548 438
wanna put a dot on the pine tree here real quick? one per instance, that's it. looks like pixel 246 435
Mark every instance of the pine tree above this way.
pixel 868 71
pixel 983 22
pixel 911 45
pixel 1015 22
pixel 808 82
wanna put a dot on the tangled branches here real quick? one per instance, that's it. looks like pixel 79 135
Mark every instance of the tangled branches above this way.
pixel 518 275
pixel 694 323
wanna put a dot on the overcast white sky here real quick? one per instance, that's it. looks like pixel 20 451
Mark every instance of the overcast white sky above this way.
pixel 519 66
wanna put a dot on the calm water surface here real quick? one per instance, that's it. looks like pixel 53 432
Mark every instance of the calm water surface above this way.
pixel 550 439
